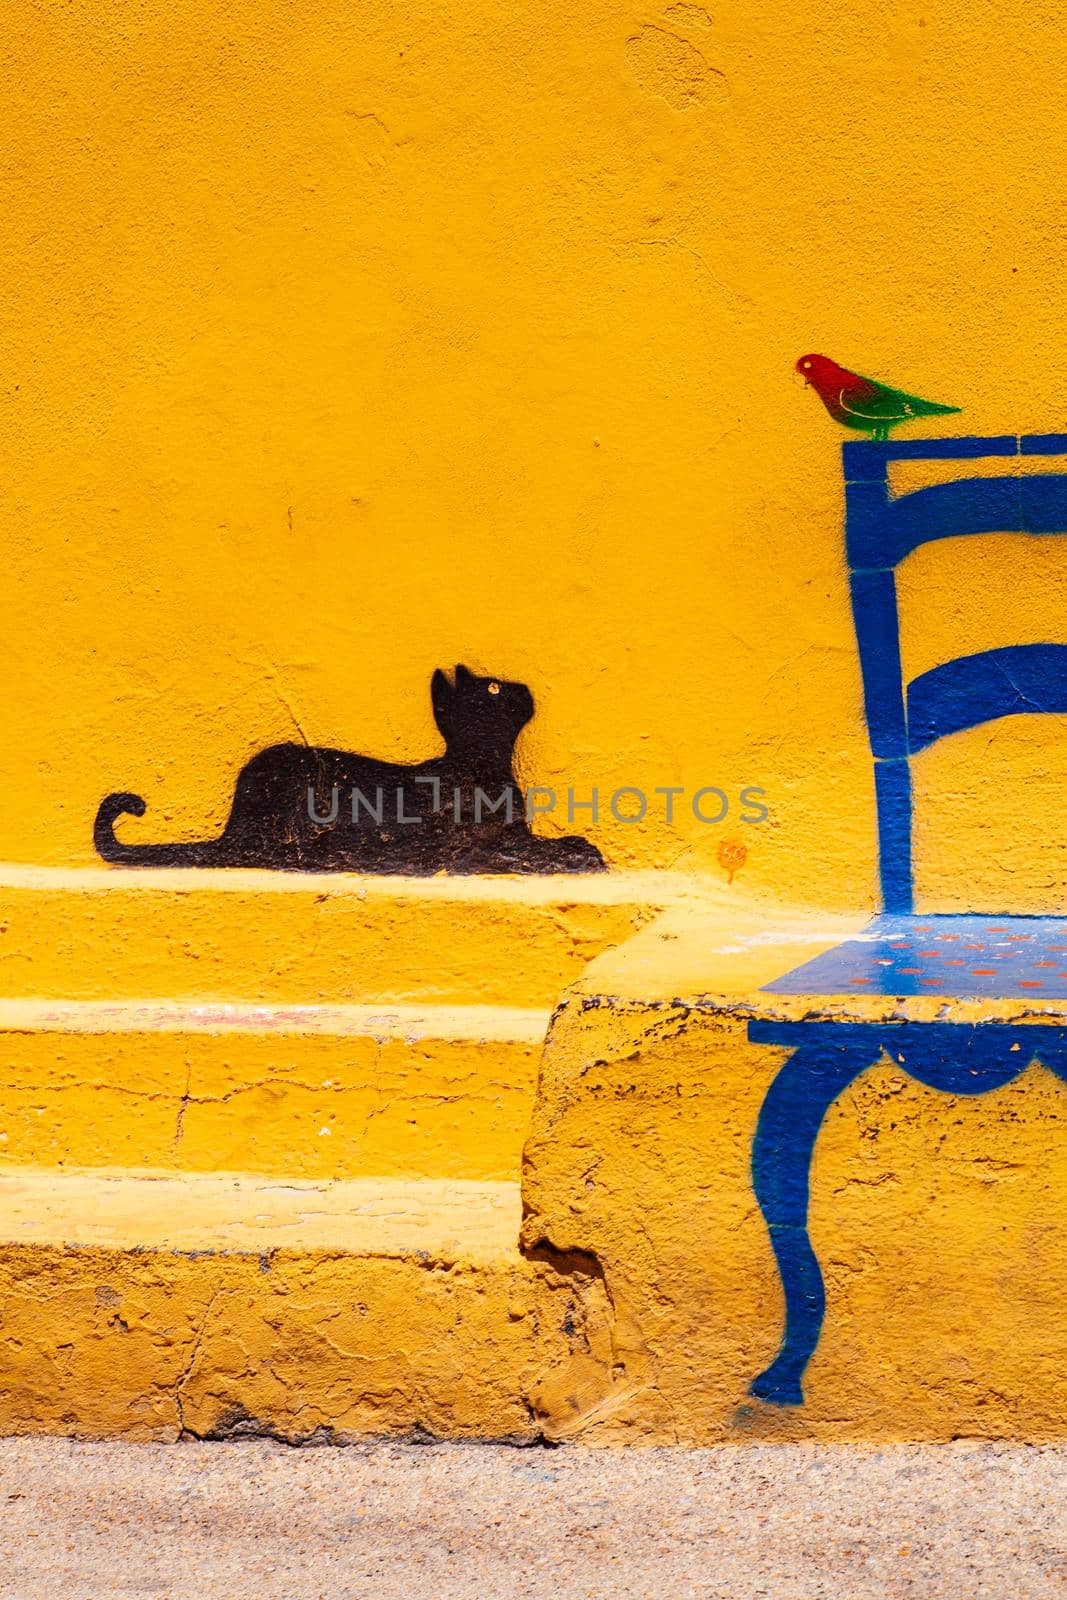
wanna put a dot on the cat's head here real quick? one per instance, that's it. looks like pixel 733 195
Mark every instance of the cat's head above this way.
pixel 478 712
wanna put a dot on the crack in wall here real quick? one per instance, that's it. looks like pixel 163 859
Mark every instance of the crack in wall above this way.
pixel 187 1372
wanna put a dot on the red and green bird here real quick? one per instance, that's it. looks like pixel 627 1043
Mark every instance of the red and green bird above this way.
pixel 858 402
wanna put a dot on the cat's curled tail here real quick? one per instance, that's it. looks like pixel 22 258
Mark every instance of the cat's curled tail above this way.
pixel 202 854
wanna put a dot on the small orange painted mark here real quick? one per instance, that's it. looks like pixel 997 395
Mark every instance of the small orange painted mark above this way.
pixel 861 980
pixel 983 972
pixel 732 856
pixel 903 946
pixel 948 936
pixel 910 970
pixel 953 961
pixel 996 930
pixel 1028 983
pixel 1018 938
pixel 931 980
pixel 1044 963
pixel 974 947
pixel 934 953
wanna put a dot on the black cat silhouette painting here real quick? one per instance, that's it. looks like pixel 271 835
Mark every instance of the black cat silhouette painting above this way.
pixel 304 808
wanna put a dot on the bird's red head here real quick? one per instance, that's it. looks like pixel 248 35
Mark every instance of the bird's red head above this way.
pixel 821 372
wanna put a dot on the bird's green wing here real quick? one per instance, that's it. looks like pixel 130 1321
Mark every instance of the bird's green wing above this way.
pixel 880 404
pixel 927 408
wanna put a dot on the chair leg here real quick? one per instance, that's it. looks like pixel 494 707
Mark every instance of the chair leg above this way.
pixel 789 1121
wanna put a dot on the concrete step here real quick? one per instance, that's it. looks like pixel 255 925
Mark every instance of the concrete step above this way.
pixel 312 1091
pixel 117 933
pixel 147 1304
pixel 931 1196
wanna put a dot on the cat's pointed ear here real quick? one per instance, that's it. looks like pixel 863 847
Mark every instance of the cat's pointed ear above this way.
pixel 463 677
pixel 441 692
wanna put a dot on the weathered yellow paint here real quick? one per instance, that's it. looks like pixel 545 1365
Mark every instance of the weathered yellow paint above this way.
pixel 304 1091
pixel 133 1230
pixel 941 1221
pixel 340 344
pixel 297 938
pixel 220 1306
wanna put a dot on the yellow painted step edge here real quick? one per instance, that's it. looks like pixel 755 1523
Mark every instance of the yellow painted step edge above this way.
pixel 598 888
pixel 240 1214
pixel 381 1020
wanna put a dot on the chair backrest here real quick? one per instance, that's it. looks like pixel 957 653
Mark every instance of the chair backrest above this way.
pixel 880 530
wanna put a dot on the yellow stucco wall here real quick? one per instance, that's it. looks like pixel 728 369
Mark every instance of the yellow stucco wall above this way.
pixel 344 341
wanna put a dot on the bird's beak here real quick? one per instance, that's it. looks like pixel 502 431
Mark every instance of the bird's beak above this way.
pixel 804 382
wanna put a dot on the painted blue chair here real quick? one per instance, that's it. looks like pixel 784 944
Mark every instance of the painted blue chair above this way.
pixel 900 954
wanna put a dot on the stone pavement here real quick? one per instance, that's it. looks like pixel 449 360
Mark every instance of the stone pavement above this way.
pixel 254 1520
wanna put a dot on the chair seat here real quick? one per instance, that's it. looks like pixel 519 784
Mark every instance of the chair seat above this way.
pixel 967 957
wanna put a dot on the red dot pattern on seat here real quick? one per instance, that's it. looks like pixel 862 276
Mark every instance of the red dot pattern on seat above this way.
pixel 968 956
